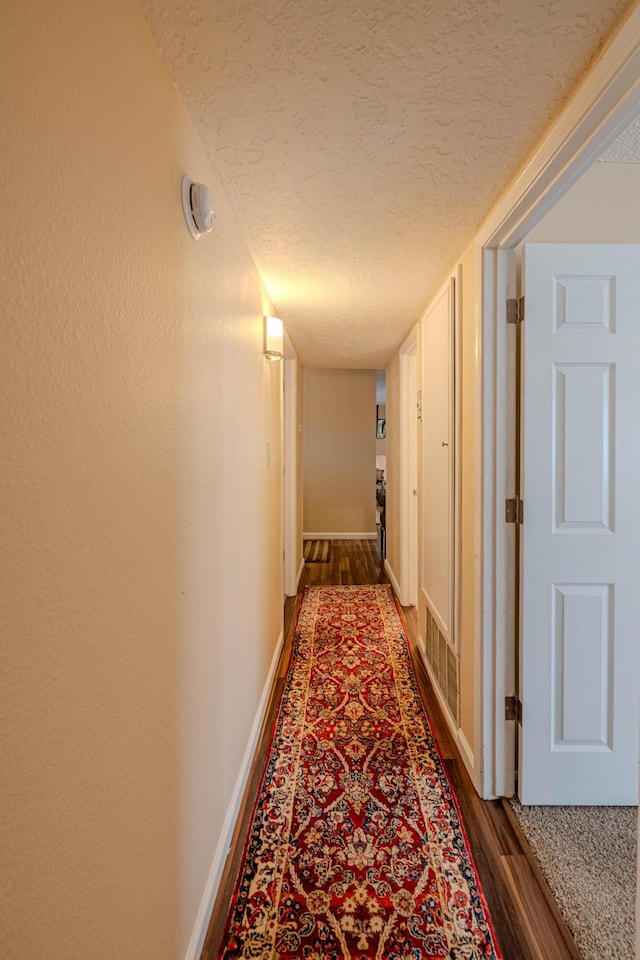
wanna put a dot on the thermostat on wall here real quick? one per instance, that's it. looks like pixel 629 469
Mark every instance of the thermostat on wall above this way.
pixel 197 206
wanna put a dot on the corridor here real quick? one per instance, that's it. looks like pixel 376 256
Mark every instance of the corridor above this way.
pixel 525 919
pixel 366 163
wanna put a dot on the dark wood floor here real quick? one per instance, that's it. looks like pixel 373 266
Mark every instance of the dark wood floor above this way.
pixel 526 920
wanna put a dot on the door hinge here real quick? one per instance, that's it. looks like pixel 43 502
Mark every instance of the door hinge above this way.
pixel 515 310
pixel 513 709
pixel 514 510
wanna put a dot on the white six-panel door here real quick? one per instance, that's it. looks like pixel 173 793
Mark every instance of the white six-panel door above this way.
pixel 580 600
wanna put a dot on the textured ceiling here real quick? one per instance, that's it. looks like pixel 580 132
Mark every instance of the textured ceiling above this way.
pixel 626 149
pixel 361 142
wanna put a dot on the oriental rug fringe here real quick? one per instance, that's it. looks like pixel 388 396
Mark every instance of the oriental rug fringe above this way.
pixel 356 848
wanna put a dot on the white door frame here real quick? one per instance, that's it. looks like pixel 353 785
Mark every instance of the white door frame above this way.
pixel 606 102
pixel 408 480
pixel 292 550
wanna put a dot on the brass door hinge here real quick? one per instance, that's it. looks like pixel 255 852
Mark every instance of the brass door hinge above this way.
pixel 514 510
pixel 513 709
pixel 515 310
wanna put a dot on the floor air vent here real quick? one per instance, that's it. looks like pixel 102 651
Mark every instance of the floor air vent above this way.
pixel 445 664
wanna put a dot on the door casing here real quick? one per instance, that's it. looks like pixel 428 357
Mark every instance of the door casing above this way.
pixel 408 479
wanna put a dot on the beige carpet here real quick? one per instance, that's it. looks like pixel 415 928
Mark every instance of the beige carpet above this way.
pixel 588 856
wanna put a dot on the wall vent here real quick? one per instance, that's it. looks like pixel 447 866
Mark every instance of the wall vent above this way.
pixel 445 664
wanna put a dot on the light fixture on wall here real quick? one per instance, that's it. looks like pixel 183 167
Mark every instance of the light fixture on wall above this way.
pixel 273 338
pixel 197 207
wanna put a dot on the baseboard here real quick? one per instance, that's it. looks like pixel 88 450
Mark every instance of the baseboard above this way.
pixel 467 755
pixel 219 858
pixel 394 582
pixel 339 536
pixel 297 581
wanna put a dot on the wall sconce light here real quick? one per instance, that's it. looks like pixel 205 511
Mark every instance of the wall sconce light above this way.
pixel 197 207
pixel 273 338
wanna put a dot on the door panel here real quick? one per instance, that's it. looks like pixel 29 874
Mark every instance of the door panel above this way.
pixel 412 457
pixel 581 535
pixel 437 457
pixel 584 425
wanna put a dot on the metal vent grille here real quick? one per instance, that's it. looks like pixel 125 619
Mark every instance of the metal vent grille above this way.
pixel 445 664
pixel 452 682
pixel 434 646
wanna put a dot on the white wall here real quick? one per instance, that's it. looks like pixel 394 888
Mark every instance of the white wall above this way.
pixel 603 206
pixel 141 546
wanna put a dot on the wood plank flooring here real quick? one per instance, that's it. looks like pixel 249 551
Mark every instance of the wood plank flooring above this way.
pixel 526 921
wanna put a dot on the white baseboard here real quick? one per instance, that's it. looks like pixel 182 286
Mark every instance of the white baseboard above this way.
pixel 394 582
pixel 461 741
pixel 224 843
pixel 297 580
pixel 467 755
pixel 340 536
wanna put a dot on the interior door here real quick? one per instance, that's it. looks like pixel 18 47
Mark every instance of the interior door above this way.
pixel 437 533
pixel 412 492
pixel 580 598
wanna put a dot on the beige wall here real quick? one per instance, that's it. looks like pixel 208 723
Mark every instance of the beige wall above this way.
pixel 602 207
pixel 137 506
pixel 339 444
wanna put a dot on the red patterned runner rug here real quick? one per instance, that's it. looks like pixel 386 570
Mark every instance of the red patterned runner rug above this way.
pixel 356 848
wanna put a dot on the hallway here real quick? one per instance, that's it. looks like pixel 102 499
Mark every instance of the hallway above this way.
pixel 357 157
pixel 526 923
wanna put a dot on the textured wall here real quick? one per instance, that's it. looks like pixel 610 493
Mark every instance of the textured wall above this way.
pixel 626 149
pixel 140 566
pixel 362 143
pixel 339 451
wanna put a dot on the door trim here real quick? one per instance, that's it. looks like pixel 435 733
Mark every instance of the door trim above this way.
pixel 605 103
pixel 456 427
pixel 408 422
pixel 291 534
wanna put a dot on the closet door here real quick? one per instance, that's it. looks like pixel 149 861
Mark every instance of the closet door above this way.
pixel 437 519
pixel 580 597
